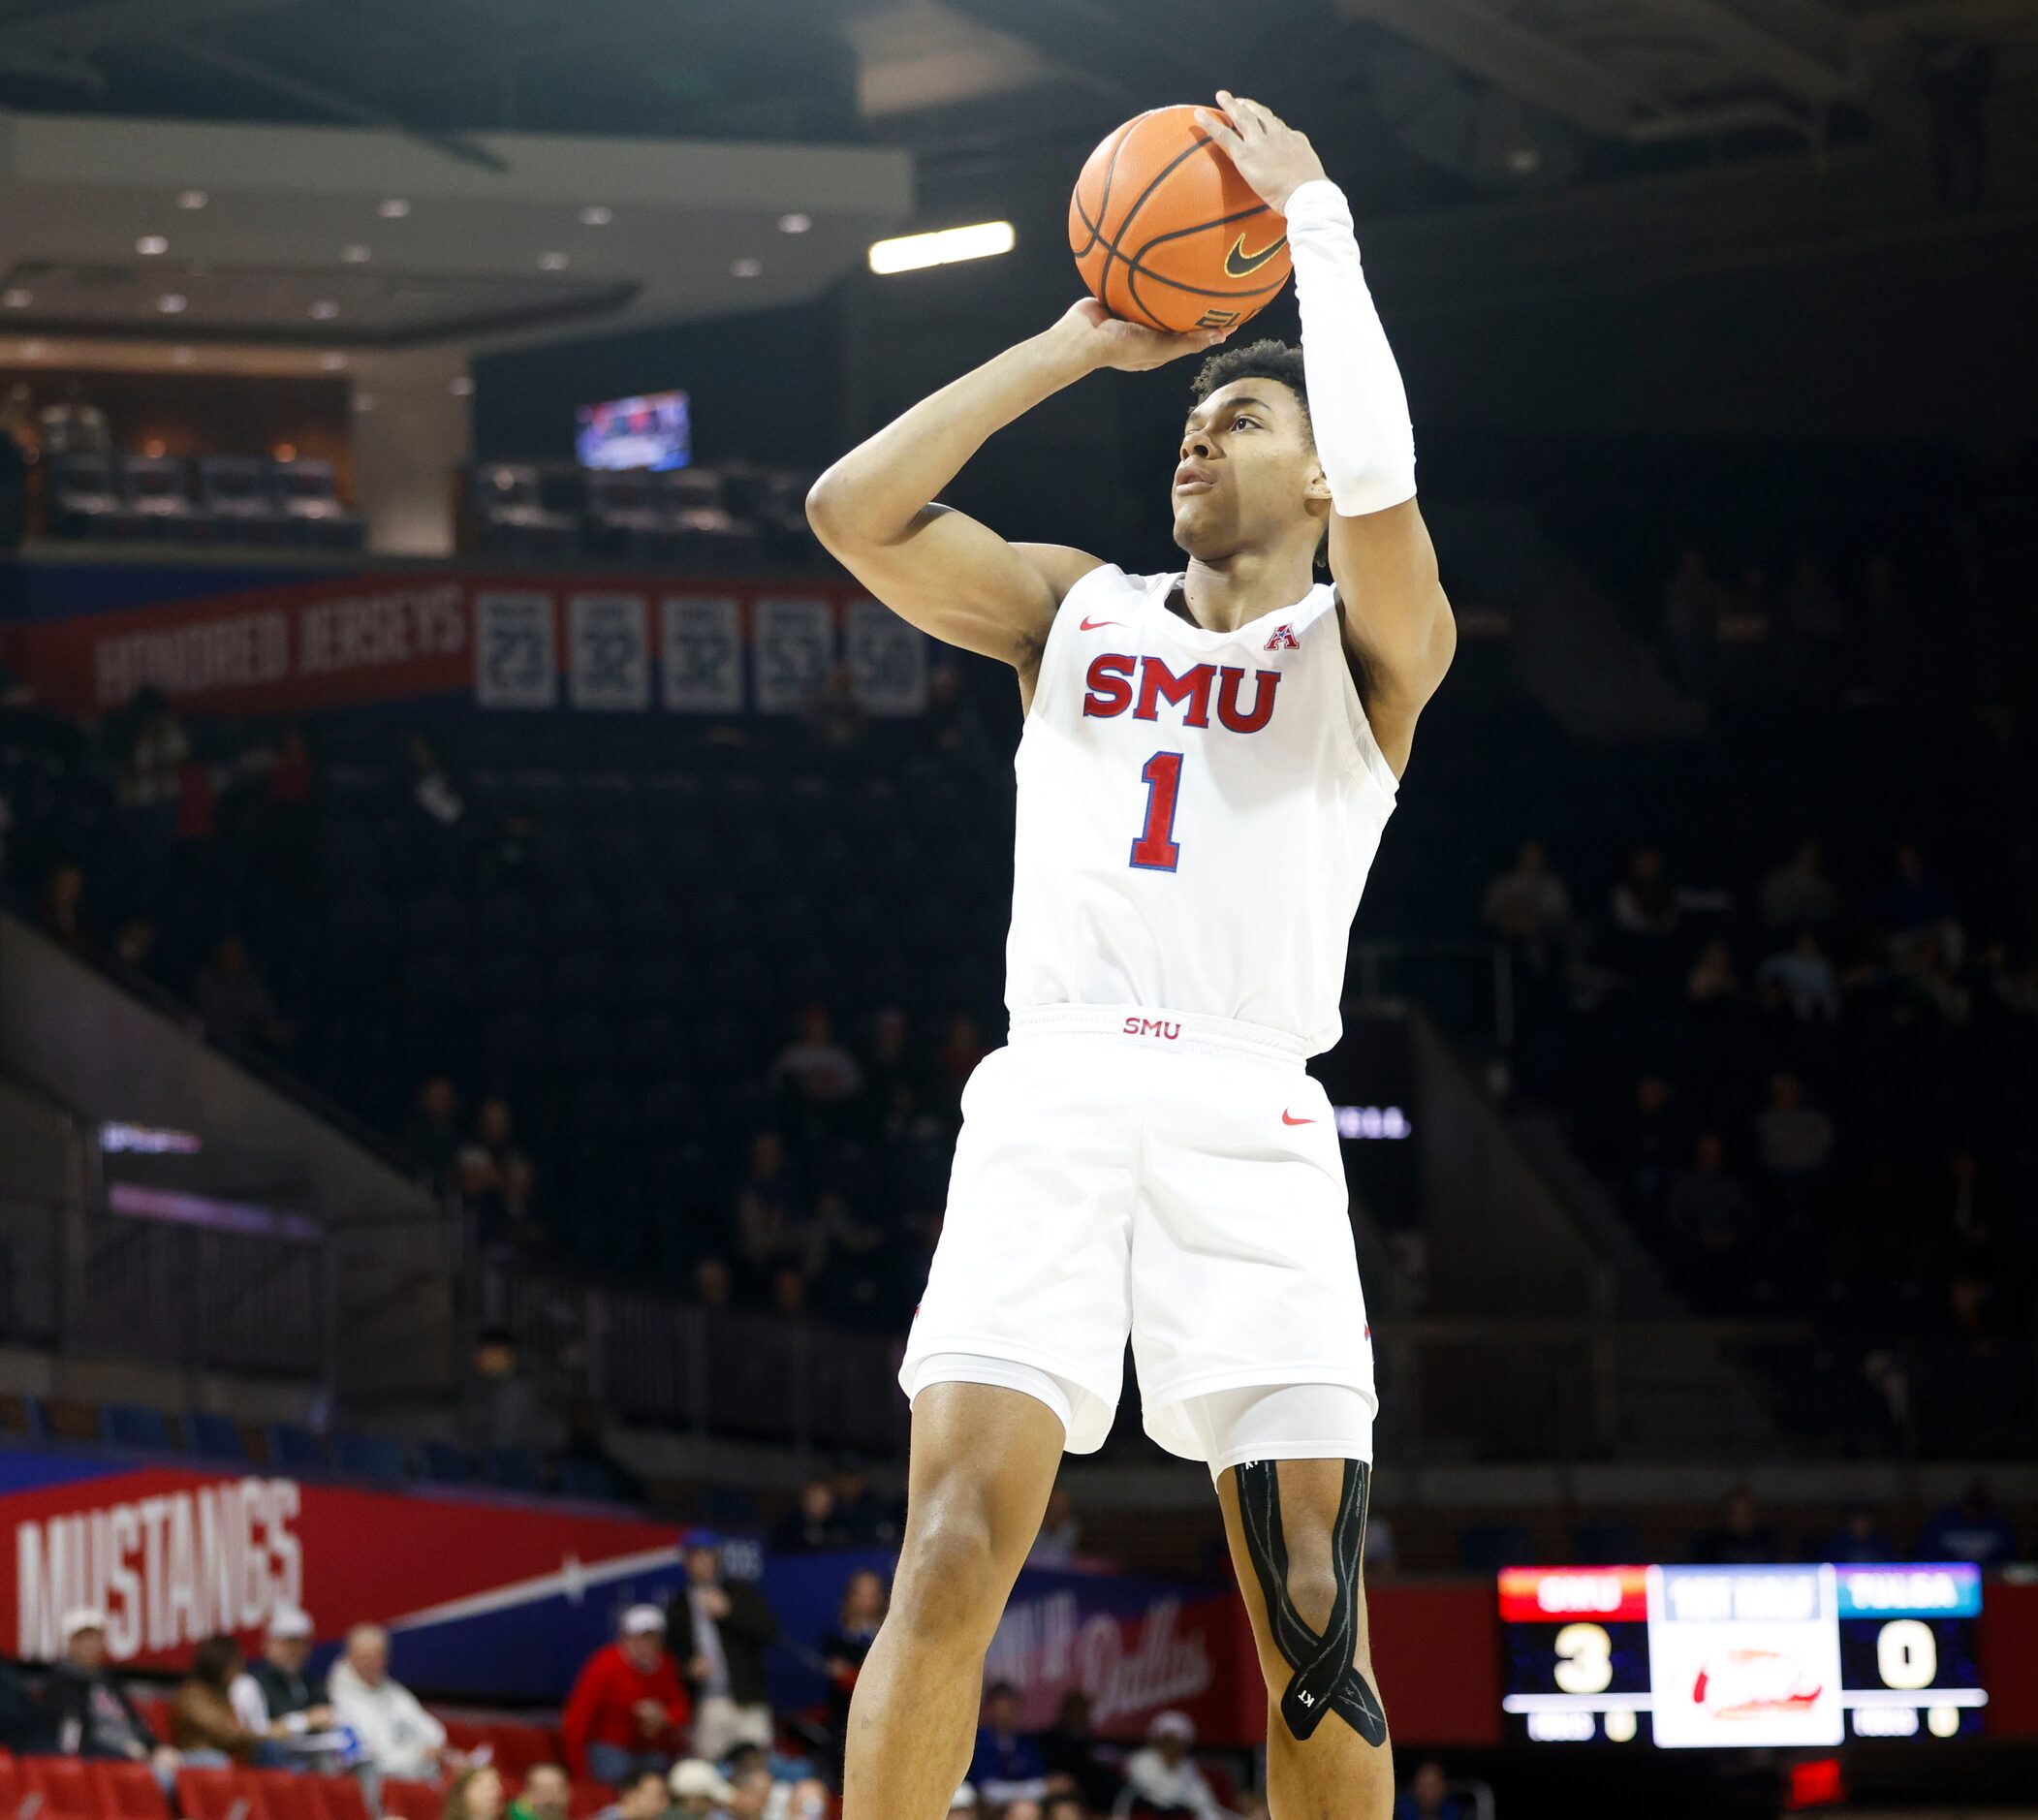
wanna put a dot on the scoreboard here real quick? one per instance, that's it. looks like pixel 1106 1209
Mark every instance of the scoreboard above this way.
pixel 1724 1656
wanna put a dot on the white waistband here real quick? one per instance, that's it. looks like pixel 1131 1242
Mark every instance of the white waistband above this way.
pixel 1150 1027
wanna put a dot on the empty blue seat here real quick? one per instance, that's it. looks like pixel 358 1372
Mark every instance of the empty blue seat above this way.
pixel 587 1478
pixel 296 1448
pixel 211 1436
pixel 443 1463
pixel 1488 1547
pixel 130 1425
pixel 513 1469
pixel 369 1456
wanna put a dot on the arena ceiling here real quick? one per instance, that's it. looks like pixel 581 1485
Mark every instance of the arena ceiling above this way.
pixel 1554 145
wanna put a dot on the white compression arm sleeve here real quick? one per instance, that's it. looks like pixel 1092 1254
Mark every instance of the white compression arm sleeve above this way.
pixel 1358 405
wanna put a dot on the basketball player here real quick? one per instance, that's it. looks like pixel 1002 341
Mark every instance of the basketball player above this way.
pixel 1207 763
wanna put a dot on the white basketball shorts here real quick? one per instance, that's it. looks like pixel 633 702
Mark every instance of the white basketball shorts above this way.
pixel 1128 1170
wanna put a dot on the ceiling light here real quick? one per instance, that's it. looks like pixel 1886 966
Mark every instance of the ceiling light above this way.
pixel 364 401
pixel 170 304
pixel 192 198
pixel 552 262
pixel 393 209
pixel 34 350
pixel 596 216
pixel 324 311
pixel 151 244
pixel 285 452
pixel 464 387
pixel 16 299
pixel 333 362
pixel 354 254
pixel 795 223
pixel 912 252
pixel 183 356
pixel 747 268
pixel 1525 160
pixel 155 449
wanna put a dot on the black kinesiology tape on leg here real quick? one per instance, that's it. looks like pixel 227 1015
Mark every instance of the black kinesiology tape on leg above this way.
pixel 1325 1679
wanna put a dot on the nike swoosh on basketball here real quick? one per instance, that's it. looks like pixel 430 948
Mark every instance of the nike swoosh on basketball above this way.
pixel 1091 626
pixel 1239 263
pixel 1289 1118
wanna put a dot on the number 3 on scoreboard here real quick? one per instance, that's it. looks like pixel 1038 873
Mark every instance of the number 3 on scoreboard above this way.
pixel 1585 1659
pixel 1155 850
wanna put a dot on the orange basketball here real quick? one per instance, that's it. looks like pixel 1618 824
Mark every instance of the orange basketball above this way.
pixel 1167 233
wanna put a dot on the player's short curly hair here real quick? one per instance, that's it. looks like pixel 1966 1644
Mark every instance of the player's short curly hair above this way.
pixel 1258 359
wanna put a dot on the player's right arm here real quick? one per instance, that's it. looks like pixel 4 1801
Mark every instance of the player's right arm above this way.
pixel 875 510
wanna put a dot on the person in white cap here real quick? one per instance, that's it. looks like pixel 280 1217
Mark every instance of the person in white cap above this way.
pixel 699 1788
pixel 627 1710
pixel 1165 1777
pixel 276 1694
pixel 86 1711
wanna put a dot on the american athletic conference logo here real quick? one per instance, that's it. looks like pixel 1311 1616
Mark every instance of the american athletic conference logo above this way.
pixel 1283 638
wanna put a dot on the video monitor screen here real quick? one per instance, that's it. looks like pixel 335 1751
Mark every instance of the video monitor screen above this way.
pixel 654 431
pixel 1693 1657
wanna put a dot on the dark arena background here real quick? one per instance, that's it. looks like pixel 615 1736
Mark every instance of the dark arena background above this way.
pixel 495 925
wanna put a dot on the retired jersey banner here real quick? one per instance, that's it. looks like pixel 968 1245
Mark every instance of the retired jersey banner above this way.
pixel 304 643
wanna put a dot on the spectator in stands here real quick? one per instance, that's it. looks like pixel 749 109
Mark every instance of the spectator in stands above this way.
pixel 1163 1777
pixel 86 1711
pixel 1061 1533
pixel 1007 1767
pixel 1794 1140
pixel 647 1794
pixel 158 749
pixel 864 1520
pixel 697 1788
pixel 1809 985
pixel 627 1711
pixel 1645 903
pixel 844 1648
pixel 1969 1529
pixel 1859 1541
pixel 1691 600
pixel 493 1176
pixel 546 1793
pixel 1797 893
pixel 236 1006
pixel 713 1283
pixel 763 1793
pixel 1914 907
pixel 1529 908
pixel 1644 1144
pixel 278 1694
pixel 721 1629
pixel 432 793
pixel 398 1737
pixel 815 1071
pixel 1069 1749
pixel 786 1293
pixel 204 1722
pixel 894 1078
pixel 1709 1211
pixel 432 1132
pixel 1428 1795
pixel 1742 1538
pixel 62 914
pixel 960 1050
pixel 771 1223
pixel 475 1794
pixel 811 1524
pixel 135 946
pixel 504 1407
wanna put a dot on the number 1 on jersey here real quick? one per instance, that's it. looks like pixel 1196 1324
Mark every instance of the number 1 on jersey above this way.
pixel 1155 849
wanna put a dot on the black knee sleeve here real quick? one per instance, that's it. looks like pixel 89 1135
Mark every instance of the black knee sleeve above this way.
pixel 1324 1680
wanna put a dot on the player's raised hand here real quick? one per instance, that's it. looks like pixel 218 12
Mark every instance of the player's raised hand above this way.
pixel 1271 156
pixel 1107 341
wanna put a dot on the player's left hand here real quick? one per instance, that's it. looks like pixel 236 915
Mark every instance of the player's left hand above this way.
pixel 1271 156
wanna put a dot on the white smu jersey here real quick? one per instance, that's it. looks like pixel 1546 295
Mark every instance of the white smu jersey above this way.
pixel 1198 811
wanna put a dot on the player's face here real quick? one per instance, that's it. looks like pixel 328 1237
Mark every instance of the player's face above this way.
pixel 1248 473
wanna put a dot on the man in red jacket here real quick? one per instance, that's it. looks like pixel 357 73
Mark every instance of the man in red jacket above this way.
pixel 628 1710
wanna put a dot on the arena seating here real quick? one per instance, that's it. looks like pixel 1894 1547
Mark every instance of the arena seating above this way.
pixel 220 499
